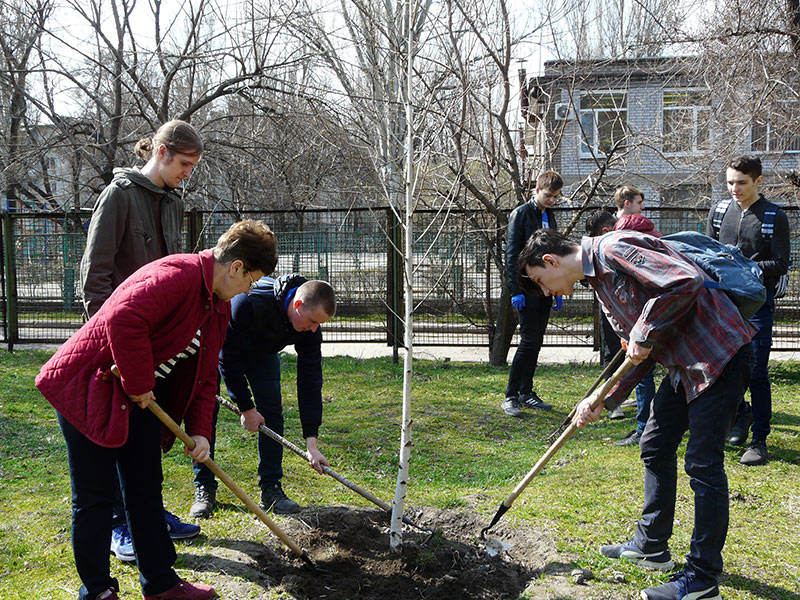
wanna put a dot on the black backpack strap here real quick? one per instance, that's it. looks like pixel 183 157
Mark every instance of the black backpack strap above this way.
pixel 768 224
pixel 719 214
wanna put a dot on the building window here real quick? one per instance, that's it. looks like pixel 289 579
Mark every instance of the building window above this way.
pixel 774 132
pixel 604 121
pixel 686 117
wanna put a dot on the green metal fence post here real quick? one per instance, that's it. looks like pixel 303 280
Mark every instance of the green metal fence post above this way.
pixel 10 266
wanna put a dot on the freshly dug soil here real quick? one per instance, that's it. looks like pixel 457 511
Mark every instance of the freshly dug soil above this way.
pixel 352 545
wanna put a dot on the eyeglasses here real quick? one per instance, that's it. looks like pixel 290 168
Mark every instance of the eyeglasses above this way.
pixel 253 282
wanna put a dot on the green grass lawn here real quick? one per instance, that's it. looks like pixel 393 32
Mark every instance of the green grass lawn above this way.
pixel 466 454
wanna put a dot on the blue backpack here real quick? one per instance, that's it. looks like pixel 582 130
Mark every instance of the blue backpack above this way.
pixel 730 270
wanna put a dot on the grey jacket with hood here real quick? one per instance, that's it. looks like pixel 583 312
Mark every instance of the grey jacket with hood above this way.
pixel 123 233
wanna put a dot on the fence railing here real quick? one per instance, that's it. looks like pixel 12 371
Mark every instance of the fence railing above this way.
pixel 456 281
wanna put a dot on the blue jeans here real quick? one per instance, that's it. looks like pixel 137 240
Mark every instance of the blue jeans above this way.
pixel 92 471
pixel 708 419
pixel 760 388
pixel 533 320
pixel 264 376
pixel 645 389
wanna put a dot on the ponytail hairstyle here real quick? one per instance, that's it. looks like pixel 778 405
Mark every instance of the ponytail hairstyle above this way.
pixel 178 136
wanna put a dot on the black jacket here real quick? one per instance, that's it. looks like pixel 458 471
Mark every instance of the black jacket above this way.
pixel 524 220
pixel 743 230
pixel 260 327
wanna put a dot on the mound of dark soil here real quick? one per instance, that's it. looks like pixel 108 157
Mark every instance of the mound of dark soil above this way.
pixel 352 546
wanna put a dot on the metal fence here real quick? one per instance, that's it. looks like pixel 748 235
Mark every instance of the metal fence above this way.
pixel 456 283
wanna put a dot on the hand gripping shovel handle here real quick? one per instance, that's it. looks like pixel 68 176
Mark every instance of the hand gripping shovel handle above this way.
pixel 609 368
pixel 568 433
pixel 326 469
pixel 224 478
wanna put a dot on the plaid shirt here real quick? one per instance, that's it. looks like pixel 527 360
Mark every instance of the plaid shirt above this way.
pixel 654 295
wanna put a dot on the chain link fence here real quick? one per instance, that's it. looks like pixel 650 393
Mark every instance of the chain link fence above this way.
pixel 456 281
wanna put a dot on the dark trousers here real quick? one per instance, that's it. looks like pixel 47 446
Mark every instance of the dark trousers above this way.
pixel 645 389
pixel 708 419
pixel 92 471
pixel 264 376
pixel 533 320
pixel 760 388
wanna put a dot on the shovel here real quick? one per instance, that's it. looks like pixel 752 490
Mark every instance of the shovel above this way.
pixel 568 433
pixel 224 478
pixel 326 469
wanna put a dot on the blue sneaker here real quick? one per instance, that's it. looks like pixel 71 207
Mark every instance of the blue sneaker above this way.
pixel 682 586
pixel 179 530
pixel 629 551
pixel 122 544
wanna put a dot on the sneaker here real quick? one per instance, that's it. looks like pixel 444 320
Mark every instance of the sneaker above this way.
pixel 205 499
pixel 273 497
pixel 109 594
pixel 629 440
pixel 178 530
pixel 628 403
pixel 616 413
pixel 682 586
pixel 532 400
pixel 756 454
pixel 122 544
pixel 741 428
pixel 185 591
pixel 629 551
pixel 511 407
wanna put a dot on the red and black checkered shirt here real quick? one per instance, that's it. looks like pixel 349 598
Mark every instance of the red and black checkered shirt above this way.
pixel 653 294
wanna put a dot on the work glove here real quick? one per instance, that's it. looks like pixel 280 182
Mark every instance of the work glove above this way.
pixel 518 301
pixel 558 302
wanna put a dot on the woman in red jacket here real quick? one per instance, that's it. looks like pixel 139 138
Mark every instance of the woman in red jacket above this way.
pixel 163 328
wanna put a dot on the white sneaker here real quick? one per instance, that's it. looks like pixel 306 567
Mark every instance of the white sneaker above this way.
pixel 628 402
pixel 617 413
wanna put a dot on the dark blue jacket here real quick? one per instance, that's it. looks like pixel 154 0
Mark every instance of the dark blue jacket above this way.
pixel 524 220
pixel 260 327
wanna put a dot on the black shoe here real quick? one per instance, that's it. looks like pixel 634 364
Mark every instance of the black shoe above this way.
pixel 532 400
pixel 741 428
pixel 756 454
pixel 272 497
pixel 205 500
pixel 629 440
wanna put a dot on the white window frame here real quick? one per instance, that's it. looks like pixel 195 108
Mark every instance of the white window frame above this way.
pixel 585 114
pixel 768 144
pixel 696 109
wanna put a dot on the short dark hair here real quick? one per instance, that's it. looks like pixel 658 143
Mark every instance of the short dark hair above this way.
pixel 598 219
pixel 549 180
pixel 318 294
pixel 626 194
pixel 747 164
pixel 543 241
pixel 250 241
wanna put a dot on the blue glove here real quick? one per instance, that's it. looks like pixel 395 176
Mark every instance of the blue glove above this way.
pixel 518 301
pixel 558 302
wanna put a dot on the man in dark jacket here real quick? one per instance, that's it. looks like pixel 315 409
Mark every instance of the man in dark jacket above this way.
pixel 533 311
pixel 761 230
pixel 277 313
pixel 137 219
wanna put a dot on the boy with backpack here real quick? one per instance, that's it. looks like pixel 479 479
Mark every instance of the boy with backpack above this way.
pixel 760 229
pixel 657 299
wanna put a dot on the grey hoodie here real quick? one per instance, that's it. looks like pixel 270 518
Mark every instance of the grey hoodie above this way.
pixel 124 234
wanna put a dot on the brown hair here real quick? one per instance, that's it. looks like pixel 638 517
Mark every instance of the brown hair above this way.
pixel 250 241
pixel 747 164
pixel 178 136
pixel 626 193
pixel 318 294
pixel 549 180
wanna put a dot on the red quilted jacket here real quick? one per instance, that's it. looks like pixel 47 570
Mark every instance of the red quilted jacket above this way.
pixel 148 319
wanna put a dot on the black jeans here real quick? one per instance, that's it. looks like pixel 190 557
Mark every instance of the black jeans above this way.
pixel 708 419
pixel 264 376
pixel 533 320
pixel 92 471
